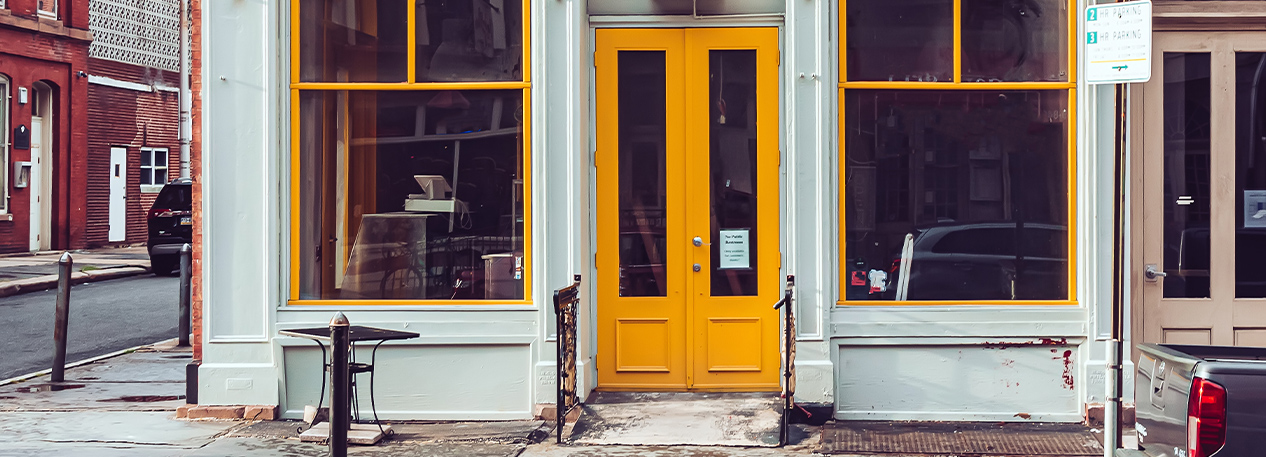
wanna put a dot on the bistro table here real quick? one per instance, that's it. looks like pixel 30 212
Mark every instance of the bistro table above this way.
pixel 355 334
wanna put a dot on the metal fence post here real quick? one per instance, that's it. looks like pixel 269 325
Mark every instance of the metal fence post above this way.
pixel 186 272
pixel 62 318
pixel 340 414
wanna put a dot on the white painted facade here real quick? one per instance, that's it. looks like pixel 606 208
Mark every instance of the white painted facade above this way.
pixel 491 362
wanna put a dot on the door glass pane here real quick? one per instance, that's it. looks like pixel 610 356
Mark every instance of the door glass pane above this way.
pixel 1186 192
pixel 643 194
pixel 1018 40
pixel 956 195
pixel 732 154
pixel 353 40
pixel 469 41
pixel 900 40
pixel 1250 174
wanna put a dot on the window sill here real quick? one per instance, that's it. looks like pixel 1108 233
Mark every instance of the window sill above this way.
pixel 6 217
pixel 151 188
pixel 950 303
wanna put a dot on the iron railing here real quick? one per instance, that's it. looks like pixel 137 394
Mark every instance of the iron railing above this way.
pixel 565 303
pixel 789 358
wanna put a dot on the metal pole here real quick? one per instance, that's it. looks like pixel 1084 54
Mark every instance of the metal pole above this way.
pixel 340 414
pixel 1112 407
pixel 62 318
pixel 186 273
pixel 186 96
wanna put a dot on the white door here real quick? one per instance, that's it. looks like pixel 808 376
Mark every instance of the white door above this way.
pixel 36 182
pixel 118 194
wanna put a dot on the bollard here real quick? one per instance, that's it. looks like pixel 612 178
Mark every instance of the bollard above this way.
pixel 62 318
pixel 340 414
pixel 186 272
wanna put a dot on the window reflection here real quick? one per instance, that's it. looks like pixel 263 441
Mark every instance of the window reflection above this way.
pixel 1015 40
pixel 353 40
pixel 956 195
pixel 1187 175
pixel 643 193
pixel 900 40
pixel 411 195
pixel 469 40
pixel 1250 174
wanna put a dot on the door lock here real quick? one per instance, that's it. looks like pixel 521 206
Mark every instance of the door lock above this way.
pixel 698 241
pixel 1151 273
pixel 698 268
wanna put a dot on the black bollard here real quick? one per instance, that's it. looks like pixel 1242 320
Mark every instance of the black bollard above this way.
pixel 186 272
pixel 340 414
pixel 62 317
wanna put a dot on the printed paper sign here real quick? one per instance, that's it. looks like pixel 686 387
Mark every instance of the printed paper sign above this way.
pixel 1255 209
pixel 1119 42
pixel 735 250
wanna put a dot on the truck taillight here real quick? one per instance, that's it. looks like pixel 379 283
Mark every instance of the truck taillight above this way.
pixel 1206 418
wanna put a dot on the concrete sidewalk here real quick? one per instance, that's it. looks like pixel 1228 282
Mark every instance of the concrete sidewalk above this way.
pixel 125 406
pixel 20 273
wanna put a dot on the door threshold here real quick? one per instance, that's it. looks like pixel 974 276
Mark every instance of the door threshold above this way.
pixel 743 419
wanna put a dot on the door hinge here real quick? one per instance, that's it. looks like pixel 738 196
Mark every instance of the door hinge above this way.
pixel 778 52
pixel 595 59
pixel 595 260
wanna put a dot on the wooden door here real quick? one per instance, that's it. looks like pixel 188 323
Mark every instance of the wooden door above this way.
pixel 688 223
pixel 1202 170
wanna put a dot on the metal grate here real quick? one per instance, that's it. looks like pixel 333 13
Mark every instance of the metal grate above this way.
pixel 959 438
pixel 137 32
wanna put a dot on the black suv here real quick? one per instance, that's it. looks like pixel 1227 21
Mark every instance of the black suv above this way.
pixel 170 226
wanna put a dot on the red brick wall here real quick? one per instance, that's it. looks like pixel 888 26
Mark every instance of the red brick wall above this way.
pixel 195 170
pixel 132 119
pixel 27 57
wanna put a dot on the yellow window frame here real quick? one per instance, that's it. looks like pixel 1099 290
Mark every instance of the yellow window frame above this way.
pixel 410 84
pixel 1070 85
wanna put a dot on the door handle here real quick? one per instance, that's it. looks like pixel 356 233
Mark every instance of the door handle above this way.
pixel 1151 273
pixel 698 241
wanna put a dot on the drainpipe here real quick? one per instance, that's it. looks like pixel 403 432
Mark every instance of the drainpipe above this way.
pixel 186 98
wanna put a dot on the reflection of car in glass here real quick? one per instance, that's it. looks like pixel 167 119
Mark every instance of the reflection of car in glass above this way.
pixel 1188 275
pixel 985 261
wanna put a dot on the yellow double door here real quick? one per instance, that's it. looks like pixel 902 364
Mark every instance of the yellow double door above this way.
pixel 688 209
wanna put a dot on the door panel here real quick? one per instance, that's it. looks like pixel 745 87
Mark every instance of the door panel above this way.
pixel 688 261
pixel 1202 185
pixel 118 194
pixel 35 185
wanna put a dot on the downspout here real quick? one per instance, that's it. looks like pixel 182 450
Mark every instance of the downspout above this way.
pixel 186 97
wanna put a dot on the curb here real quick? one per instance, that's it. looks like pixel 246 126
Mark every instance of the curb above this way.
pixel 38 283
pixel 17 379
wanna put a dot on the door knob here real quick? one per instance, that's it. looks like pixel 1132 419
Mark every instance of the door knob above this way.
pixel 1151 273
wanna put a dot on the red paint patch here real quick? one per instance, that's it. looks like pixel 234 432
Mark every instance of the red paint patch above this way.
pixel 1068 370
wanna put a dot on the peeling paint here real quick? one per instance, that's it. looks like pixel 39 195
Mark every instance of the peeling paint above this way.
pixel 1068 369
pixel 1024 415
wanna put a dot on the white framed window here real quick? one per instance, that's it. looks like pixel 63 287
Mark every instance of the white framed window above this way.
pixel 47 8
pixel 153 169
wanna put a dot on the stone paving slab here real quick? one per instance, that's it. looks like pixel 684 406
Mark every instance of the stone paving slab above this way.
pixel 681 419
pixel 124 428
pixel 281 447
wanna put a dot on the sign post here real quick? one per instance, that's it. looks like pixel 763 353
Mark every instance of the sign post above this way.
pixel 1118 51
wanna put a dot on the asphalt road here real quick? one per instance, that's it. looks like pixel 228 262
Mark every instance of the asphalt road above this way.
pixel 104 317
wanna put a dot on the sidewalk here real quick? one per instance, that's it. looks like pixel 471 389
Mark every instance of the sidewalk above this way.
pixel 20 273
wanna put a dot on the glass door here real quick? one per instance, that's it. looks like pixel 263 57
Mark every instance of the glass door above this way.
pixel 688 260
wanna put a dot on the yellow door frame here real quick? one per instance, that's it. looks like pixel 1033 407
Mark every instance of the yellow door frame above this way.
pixel 673 329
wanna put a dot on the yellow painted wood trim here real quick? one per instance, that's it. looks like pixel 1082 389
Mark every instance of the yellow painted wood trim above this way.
pixel 411 43
pixel 526 144
pixel 296 166
pixel 526 41
pixel 920 85
pixel 1071 133
pixel 493 85
pixel 841 31
pixel 956 303
pixel 295 41
pixel 359 303
pixel 958 41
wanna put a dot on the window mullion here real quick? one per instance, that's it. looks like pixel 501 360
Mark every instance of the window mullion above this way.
pixel 411 43
pixel 958 41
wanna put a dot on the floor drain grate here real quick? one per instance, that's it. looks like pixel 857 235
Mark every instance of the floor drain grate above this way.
pixel 959 438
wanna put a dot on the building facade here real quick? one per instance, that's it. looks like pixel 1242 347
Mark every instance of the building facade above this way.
pixel 134 122
pixel 936 175
pixel 43 96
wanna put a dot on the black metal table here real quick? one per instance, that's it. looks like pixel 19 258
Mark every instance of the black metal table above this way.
pixel 342 338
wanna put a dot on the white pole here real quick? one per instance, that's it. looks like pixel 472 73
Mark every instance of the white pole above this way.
pixel 186 98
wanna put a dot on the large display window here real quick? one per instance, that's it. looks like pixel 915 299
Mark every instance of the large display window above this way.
pixel 957 152
pixel 409 152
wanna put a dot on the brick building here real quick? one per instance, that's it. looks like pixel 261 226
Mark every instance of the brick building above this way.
pixel 44 87
pixel 134 114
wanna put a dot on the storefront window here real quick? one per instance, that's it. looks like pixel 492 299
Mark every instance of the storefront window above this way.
pixel 956 151
pixel 415 192
pixel 4 141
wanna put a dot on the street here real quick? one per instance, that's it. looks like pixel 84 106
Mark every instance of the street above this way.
pixel 104 317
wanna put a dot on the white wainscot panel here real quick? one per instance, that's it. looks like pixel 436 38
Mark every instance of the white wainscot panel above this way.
pixel 424 382
pixel 1028 381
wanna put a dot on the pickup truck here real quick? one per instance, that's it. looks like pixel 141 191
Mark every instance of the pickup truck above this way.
pixel 1199 401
